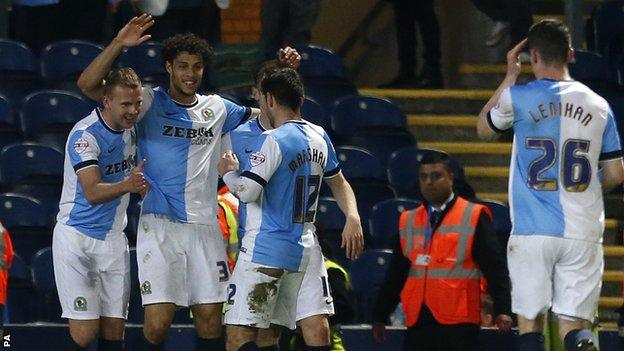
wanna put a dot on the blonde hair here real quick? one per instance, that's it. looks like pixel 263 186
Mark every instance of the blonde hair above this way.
pixel 125 76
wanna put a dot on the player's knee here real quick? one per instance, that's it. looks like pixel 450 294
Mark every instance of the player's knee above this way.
pixel 156 329
pixel 84 337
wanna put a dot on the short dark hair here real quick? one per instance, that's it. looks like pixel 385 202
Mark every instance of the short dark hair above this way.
pixel 436 156
pixel 551 39
pixel 285 85
pixel 266 68
pixel 186 42
pixel 124 76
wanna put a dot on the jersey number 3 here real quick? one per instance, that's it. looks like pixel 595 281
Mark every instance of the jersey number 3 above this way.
pixel 575 167
pixel 306 196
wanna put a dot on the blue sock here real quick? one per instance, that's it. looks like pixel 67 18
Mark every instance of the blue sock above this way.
pixel 73 346
pixel 110 345
pixel 269 348
pixel 576 336
pixel 148 346
pixel 250 346
pixel 318 348
pixel 531 342
pixel 217 344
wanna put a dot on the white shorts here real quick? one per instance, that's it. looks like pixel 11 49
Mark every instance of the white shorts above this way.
pixel 549 271
pixel 259 295
pixel 92 276
pixel 180 263
pixel 315 293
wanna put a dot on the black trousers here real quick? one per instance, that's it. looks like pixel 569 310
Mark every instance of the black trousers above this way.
pixel 287 22
pixel 517 12
pixel 429 335
pixel 409 13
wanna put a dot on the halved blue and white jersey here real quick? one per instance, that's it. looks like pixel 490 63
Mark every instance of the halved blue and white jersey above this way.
pixel 242 141
pixel 562 130
pixel 92 143
pixel 289 162
pixel 179 143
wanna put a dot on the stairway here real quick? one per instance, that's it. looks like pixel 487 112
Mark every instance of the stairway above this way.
pixel 445 119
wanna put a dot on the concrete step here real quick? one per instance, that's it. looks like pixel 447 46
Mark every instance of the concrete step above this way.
pixel 442 127
pixel 474 153
pixel 436 102
pixel 489 76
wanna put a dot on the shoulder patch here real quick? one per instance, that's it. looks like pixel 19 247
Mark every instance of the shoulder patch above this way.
pixel 81 145
pixel 256 158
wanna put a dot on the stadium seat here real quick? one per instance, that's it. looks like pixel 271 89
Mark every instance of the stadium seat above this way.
pixel 383 141
pixel 233 65
pixel 356 112
pixel 368 273
pixel 608 19
pixel 63 61
pixel 313 112
pixel 49 308
pixel 20 293
pixel 358 163
pixel 48 116
pixel 501 220
pixel 320 62
pixel 590 66
pixel 19 71
pixel 367 194
pixel 327 90
pixel 9 132
pixel 147 61
pixel 384 221
pixel 403 170
pixel 28 222
pixel 329 222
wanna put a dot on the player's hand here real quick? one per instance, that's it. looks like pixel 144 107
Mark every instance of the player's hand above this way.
pixel 289 56
pixel 136 182
pixel 352 238
pixel 379 332
pixel 514 65
pixel 503 323
pixel 227 163
pixel 132 33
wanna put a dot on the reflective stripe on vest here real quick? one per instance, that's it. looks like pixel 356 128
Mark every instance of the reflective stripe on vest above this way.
pixel 464 229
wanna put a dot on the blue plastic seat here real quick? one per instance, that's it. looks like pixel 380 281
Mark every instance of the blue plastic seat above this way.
pixel 42 267
pixel 590 66
pixel 359 163
pixel 145 59
pixel 313 112
pixel 369 193
pixel 383 141
pixel 327 90
pixel 62 62
pixel 20 293
pixel 320 62
pixel 384 221
pixel 368 273
pixel 608 21
pixel 501 220
pixel 28 221
pixel 19 71
pixel 9 131
pixel 357 112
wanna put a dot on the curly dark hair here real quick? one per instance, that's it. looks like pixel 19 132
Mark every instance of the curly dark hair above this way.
pixel 186 42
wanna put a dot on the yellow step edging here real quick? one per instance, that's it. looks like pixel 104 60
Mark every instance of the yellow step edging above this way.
pixel 612 276
pixel 442 120
pixel 613 251
pixel 462 94
pixel 502 197
pixel 611 302
pixel 498 172
pixel 469 147
pixel 470 68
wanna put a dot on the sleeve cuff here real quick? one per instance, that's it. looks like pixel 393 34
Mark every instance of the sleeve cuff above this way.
pixel 85 164
pixel 332 173
pixel 488 118
pixel 612 155
pixel 256 178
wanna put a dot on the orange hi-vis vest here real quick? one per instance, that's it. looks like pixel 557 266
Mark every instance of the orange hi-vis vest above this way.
pixel 443 275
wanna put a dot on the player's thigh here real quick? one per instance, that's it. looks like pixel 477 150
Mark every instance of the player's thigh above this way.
pixel 530 260
pixel 208 272
pixel 578 279
pixel 113 263
pixel 315 293
pixel 252 293
pixel 77 280
pixel 162 261
pixel 285 311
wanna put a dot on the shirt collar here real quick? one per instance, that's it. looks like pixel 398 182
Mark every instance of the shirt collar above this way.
pixel 444 205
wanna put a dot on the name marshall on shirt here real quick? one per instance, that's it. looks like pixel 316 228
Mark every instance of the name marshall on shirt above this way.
pixel 307 155
pixel 122 166
pixel 557 109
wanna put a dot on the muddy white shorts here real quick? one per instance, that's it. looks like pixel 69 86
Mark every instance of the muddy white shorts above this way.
pixel 315 293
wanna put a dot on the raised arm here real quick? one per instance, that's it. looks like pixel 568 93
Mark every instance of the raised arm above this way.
pixel 352 237
pixel 513 71
pixel 90 81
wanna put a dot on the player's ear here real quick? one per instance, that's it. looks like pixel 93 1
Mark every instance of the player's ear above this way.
pixel 571 57
pixel 168 67
pixel 106 102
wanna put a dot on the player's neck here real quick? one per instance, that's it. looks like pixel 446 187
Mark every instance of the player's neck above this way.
pixel 180 98
pixel 552 73
pixel 107 119
pixel 285 115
